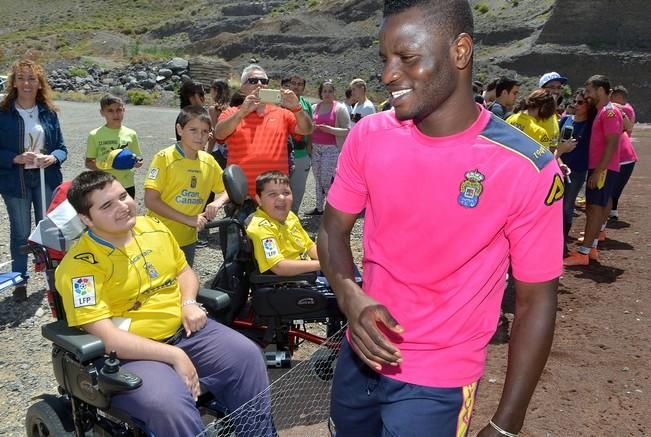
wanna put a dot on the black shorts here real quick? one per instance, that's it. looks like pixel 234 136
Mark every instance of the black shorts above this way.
pixel 600 196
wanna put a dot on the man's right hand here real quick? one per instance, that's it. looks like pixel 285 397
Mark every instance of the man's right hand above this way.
pixel 25 158
pixel 250 103
pixel 184 367
pixel 373 347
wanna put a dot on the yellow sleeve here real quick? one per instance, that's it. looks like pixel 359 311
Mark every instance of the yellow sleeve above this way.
pixel 157 173
pixel 81 289
pixel 265 246
pixel 91 147
pixel 134 145
pixel 306 241
pixel 218 181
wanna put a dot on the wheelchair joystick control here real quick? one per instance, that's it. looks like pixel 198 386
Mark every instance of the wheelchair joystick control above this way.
pixel 111 364
pixel 113 380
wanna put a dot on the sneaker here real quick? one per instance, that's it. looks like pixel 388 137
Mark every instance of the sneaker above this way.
pixel 594 254
pixel 315 211
pixel 576 259
pixel 20 293
pixel 201 243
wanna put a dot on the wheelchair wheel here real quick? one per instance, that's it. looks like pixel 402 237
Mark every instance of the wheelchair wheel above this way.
pixel 42 419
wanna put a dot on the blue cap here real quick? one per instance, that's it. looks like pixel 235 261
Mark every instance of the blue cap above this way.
pixel 119 159
pixel 548 77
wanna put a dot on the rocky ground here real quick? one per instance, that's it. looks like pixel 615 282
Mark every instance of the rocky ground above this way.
pixel 597 379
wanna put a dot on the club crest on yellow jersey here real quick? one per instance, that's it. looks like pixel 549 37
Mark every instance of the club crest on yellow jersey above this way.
pixel 471 188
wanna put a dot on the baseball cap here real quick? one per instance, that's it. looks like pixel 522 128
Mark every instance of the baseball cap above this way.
pixel 548 77
pixel 119 159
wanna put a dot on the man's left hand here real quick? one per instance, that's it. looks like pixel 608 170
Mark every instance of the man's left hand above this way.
pixel 194 318
pixel 289 100
pixel 44 161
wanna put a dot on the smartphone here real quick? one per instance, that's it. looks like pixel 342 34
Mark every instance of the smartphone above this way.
pixel 270 96
pixel 567 131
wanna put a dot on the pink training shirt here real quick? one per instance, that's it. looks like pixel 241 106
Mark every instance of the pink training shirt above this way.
pixel 627 153
pixel 443 215
pixel 608 122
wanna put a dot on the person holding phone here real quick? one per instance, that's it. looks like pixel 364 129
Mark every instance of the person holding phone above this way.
pixel 256 131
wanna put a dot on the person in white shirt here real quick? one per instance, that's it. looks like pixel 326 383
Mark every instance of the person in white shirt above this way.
pixel 364 106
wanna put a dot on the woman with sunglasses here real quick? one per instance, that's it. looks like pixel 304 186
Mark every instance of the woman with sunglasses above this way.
pixel 577 159
pixel 31 140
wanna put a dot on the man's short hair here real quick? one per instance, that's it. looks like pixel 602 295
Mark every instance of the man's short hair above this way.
pixel 358 82
pixel 248 69
pixel 192 112
pixel 599 81
pixel 83 186
pixel 285 81
pixel 453 17
pixel 108 100
pixel 270 176
pixel 295 76
pixel 505 84
pixel 492 85
pixel 620 89
pixel 541 99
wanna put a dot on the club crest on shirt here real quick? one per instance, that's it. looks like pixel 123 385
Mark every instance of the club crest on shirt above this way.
pixel 153 173
pixel 193 182
pixel 270 247
pixel 83 291
pixel 471 188
pixel 151 270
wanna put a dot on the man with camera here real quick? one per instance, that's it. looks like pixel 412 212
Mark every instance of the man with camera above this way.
pixel 256 131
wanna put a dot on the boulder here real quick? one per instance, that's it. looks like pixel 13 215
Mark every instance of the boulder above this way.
pixel 165 72
pixel 148 84
pixel 177 65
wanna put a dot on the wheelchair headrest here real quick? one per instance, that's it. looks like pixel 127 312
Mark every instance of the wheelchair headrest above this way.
pixel 236 184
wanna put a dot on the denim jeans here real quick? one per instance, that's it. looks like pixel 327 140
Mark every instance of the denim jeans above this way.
pixel 20 226
pixel 572 189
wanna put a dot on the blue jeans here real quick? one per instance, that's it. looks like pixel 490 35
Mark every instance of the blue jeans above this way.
pixel 19 210
pixel 572 189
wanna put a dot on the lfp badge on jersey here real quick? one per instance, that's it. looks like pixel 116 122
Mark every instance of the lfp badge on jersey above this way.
pixel 83 291
pixel 471 188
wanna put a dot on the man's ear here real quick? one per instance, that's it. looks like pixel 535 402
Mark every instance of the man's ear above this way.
pixel 179 129
pixel 462 51
pixel 85 220
pixel 257 199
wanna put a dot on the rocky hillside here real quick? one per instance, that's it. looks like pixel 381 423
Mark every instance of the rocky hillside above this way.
pixel 336 39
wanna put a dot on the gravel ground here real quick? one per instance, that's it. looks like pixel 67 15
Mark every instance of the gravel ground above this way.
pixel 25 369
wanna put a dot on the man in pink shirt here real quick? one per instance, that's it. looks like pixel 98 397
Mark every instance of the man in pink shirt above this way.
pixel 603 169
pixel 452 195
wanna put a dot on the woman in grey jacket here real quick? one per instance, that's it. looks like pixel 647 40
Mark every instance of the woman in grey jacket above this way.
pixel 30 139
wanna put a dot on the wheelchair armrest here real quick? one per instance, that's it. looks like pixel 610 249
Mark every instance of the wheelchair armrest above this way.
pixel 83 346
pixel 213 300
pixel 258 278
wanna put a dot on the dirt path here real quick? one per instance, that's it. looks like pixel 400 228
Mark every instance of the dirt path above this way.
pixel 596 382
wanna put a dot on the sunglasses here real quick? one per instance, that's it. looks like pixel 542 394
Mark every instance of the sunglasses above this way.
pixel 579 102
pixel 257 80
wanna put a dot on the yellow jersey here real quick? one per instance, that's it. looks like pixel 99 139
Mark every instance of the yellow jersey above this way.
pixel 274 241
pixel 136 283
pixel 530 126
pixel 184 184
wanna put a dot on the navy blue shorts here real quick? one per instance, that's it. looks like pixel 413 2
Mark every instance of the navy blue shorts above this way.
pixel 365 403
pixel 601 196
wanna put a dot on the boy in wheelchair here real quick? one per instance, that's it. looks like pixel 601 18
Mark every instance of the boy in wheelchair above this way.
pixel 127 282
pixel 280 244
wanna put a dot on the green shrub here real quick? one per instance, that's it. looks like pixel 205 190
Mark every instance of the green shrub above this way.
pixel 481 8
pixel 141 97
pixel 77 72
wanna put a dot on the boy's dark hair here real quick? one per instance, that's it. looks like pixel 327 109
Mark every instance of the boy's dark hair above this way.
pixel 192 112
pixel 599 81
pixel 349 93
pixel 270 176
pixel 83 186
pixel 505 84
pixel 237 98
pixel 620 89
pixel 453 17
pixel 189 89
pixel 108 100
pixel 288 79
pixel 285 81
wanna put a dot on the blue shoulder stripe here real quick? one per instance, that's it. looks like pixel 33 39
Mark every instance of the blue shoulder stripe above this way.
pixel 502 134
